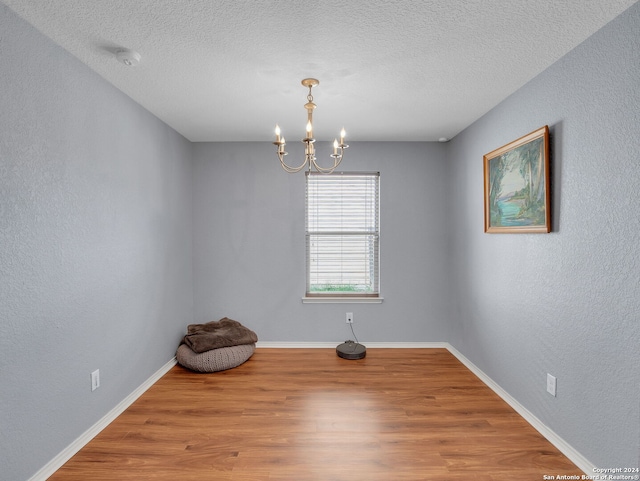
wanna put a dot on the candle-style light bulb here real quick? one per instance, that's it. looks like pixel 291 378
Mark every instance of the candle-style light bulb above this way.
pixel 342 134
pixel 277 133
pixel 309 130
pixel 335 146
pixel 282 144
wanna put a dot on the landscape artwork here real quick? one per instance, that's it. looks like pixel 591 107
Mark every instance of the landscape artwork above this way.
pixel 516 186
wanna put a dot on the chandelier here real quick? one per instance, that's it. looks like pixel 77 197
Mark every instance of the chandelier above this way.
pixel 308 141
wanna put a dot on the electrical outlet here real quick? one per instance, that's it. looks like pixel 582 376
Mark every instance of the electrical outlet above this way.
pixel 551 384
pixel 95 379
pixel 349 317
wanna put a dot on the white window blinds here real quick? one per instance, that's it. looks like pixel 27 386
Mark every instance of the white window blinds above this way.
pixel 342 234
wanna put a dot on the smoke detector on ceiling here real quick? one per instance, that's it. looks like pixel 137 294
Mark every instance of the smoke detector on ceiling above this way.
pixel 128 57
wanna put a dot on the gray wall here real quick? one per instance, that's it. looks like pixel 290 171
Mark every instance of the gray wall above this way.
pixel 95 246
pixel 249 243
pixel 566 303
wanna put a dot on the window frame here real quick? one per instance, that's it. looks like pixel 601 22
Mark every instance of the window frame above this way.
pixel 361 231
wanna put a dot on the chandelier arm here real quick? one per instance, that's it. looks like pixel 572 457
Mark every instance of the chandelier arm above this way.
pixel 328 170
pixel 288 168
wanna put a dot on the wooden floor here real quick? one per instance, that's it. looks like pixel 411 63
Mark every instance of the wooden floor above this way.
pixel 297 415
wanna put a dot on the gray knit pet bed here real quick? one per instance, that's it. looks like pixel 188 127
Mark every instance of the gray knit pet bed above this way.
pixel 215 359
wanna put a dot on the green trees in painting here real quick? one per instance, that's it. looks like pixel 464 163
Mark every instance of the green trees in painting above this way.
pixel 497 168
pixel 517 186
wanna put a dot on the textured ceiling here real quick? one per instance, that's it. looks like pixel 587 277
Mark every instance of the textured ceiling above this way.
pixel 228 70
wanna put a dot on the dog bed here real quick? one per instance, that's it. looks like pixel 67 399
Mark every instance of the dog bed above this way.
pixel 215 359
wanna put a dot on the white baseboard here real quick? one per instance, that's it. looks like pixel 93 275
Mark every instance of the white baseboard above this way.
pixel 373 345
pixel 565 448
pixel 56 463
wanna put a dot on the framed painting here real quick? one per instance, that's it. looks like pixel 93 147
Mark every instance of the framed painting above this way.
pixel 516 186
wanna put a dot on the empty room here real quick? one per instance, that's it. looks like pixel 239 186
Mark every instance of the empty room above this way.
pixel 277 240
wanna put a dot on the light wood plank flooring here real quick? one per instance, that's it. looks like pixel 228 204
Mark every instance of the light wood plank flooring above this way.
pixel 297 415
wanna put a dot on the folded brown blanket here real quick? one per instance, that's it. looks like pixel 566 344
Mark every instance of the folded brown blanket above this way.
pixel 215 334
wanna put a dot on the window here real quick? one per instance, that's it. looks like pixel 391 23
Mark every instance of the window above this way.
pixel 342 234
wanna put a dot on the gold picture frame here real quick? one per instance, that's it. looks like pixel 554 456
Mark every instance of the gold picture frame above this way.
pixel 516 186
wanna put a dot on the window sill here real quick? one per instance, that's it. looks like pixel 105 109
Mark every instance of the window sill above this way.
pixel 342 300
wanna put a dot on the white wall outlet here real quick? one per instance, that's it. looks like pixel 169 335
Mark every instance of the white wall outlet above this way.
pixel 551 384
pixel 349 317
pixel 95 379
